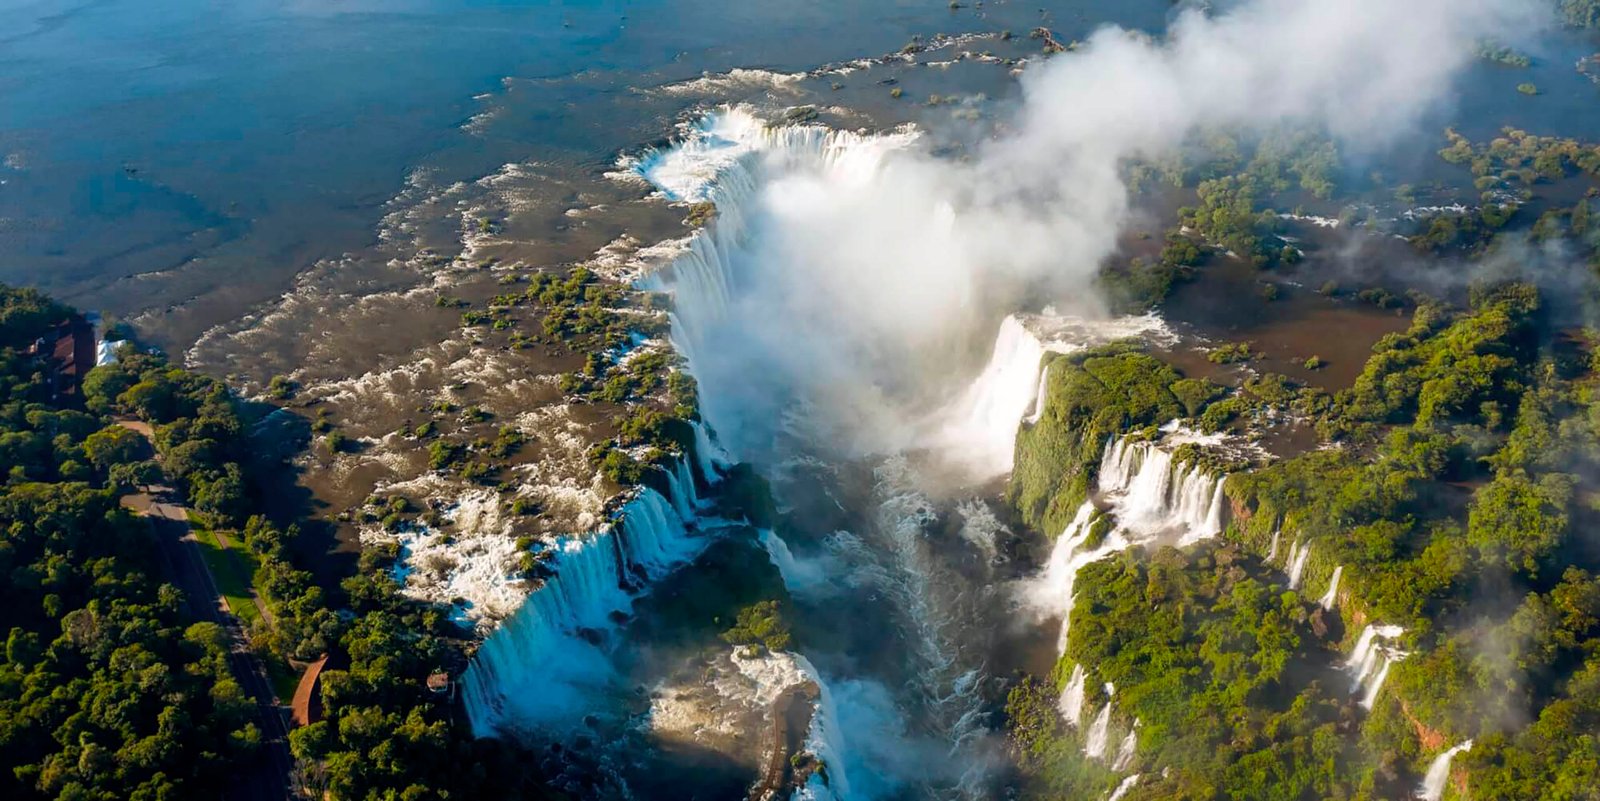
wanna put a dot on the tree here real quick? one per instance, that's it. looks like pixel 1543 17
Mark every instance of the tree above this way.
pixel 760 624
pixel 221 499
pixel 1520 522
pixel 111 446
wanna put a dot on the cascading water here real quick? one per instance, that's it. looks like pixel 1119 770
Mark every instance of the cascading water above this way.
pixel 1156 495
pixel 825 741
pixel 1123 787
pixel 1370 660
pixel 1272 552
pixel 1298 554
pixel 1125 752
pixel 1331 597
pixel 986 416
pixel 709 456
pixel 1040 399
pixel 1053 591
pixel 736 308
pixel 723 289
pixel 779 360
pixel 685 498
pixel 1071 701
pixel 536 668
pixel 1432 787
pixel 1149 497
pixel 1099 734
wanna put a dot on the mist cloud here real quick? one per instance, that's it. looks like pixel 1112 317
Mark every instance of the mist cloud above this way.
pixel 872 272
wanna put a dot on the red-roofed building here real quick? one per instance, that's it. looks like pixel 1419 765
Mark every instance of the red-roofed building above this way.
pixel 68 353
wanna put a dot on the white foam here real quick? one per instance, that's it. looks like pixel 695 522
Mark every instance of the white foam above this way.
pixel 1149 497
pixel 1432 787
pixel 1095 740
pixel 1013 388
pixel 1071 702
pixel 1331 597
pixel 538 668
pixel 1369 661
pixel 1123 787
pixel 1125 752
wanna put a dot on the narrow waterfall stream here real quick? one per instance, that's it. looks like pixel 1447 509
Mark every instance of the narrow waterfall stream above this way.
pixel 1433 782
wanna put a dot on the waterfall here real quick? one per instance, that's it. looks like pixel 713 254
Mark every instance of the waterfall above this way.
pixel 825 740
pixel 1123 788
pixel 1156 496
pixel 536 667
pixel 1272 552
pixel 1297 563
pixel 1071 702
pixel 685 498
pixel 1369 662
pixel 653 536
pixel 1332 595
pixel 1037 412
pixel 709 457
pixel 799 577
pixel 1053 591
pixel 984 420
pixel 740 164
pixel 1125 752
pixel 1432 787
pixel 1149 496
pixel 781 557
pixel 1014 387
pixel 1359 662
pixel 1094 745
pixel 1377 684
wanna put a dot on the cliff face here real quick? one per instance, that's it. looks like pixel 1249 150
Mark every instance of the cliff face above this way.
pixel 1430 739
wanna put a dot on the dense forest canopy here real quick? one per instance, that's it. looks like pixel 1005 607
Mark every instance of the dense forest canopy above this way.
pixel 111 690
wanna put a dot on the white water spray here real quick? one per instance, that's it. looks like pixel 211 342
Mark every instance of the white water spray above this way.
pixel 844 269
pixel 1331 597
pixel 1071 701
pixel 1298 554
pixel 536 668
pixel 1432 787
pixel 1014 388
pixel 1149 497
pixel 1094 745
pixel 826 740
pixel 1369 662
pixel 1154 495
pixel 1123 787
pixel 1125 752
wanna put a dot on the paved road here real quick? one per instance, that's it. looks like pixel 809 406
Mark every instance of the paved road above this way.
pixel 268 778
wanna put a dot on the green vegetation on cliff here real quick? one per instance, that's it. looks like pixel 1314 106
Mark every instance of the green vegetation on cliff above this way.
pixel 1092 396
pixel 1454 501
pixel 107 690
pixel 1211 659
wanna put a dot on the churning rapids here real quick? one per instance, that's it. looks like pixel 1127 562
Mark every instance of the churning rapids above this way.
pixel 905 596
pixel 882 468
pixel 887 545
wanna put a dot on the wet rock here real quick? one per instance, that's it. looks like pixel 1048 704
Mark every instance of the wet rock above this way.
pixel 1319 623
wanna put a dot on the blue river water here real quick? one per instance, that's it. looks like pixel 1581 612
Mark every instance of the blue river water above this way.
pixel 191 157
